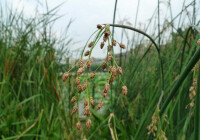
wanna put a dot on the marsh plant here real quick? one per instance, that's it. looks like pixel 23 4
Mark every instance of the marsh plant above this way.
pixel 83 84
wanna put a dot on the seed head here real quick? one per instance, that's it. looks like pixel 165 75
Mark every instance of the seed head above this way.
pixel 75 109
pixel 65 76
pixel 110 69
pixel 91 101
pixel 124 90
pixel 81 63
pixel 105 94
pixel 99 106
pixel 79 88
pixel 99 26
pixel 106 87
pixel 109 57
pixel 104 65
pixel 87 53
pixel 119 70
pixel 90 45
pixel 105 38
pixel 102 45
pixel 112 79
pixel 78 126
pixel 92 75
pixel 87 111
pixel 107 34
pixel 80 71
pixel 114 71
pixel 191 104
pixel 85 103
pixel 88 123
pixel 73 99
pixel 77 81
pixel 84 86
pixel 89 63
pixel 122 46
pixel 114 42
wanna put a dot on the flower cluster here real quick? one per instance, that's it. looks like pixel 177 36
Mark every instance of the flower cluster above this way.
pixel 83 77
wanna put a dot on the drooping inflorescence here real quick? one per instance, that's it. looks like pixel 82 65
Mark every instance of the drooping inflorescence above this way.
pixel 82 84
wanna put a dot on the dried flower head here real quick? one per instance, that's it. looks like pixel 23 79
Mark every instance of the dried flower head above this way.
pixel 105 38
pixel 81 63
pixel 73 99
pixel 102 45
pixel 107 34
pixel 114 71
pixel 87 53
pixel 85 103
pixel 112 79
pixel 84 86
pixel 87 111
pixel 80 71
pixel 65 76
pixel 110 69
pixel 122 46
pixel 99 106
pixel 90 44
pixel 114 42
pixel 75 109
pixel 105 94
pixel 88 123
pixel 92 75
pixel 91 101
pixel 106 87
pixel 78 126
pixel 77 81
pixel 124 90
pixel 79 88
pixel 104 65
pixel 109 57
pixel 119 70
pixel 99 26
pixel 89 63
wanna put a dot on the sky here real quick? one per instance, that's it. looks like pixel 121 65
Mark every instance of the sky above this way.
pixel 86 14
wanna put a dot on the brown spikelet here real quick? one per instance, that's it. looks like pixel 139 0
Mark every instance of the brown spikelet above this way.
pixel 104 65
pixel 88 123
pixel 114 71
pixel 90 44
pixel 92 75
pixel 99 26
pixel 124 90
pixel 119 70
pixel 91 101
pixel 110 69
pixel 77 81
pixel 80 71
pixel 87 53
pixel 99 106
pixel 105 38
pixel 79 88
pixel 84 86
pixel 112 79
pixel 105 94
pixel 65 76
pixel 191 104
pixel 81 63
pixel 102 45
pixel 87 111
pixel 73 99
pixel 106 87
pixel 85 103
pixel 75 109
pixel 107 34
pixel 109 57
pixel 78 126
pixel 89 63
pixel 114 42
pixel 122 46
